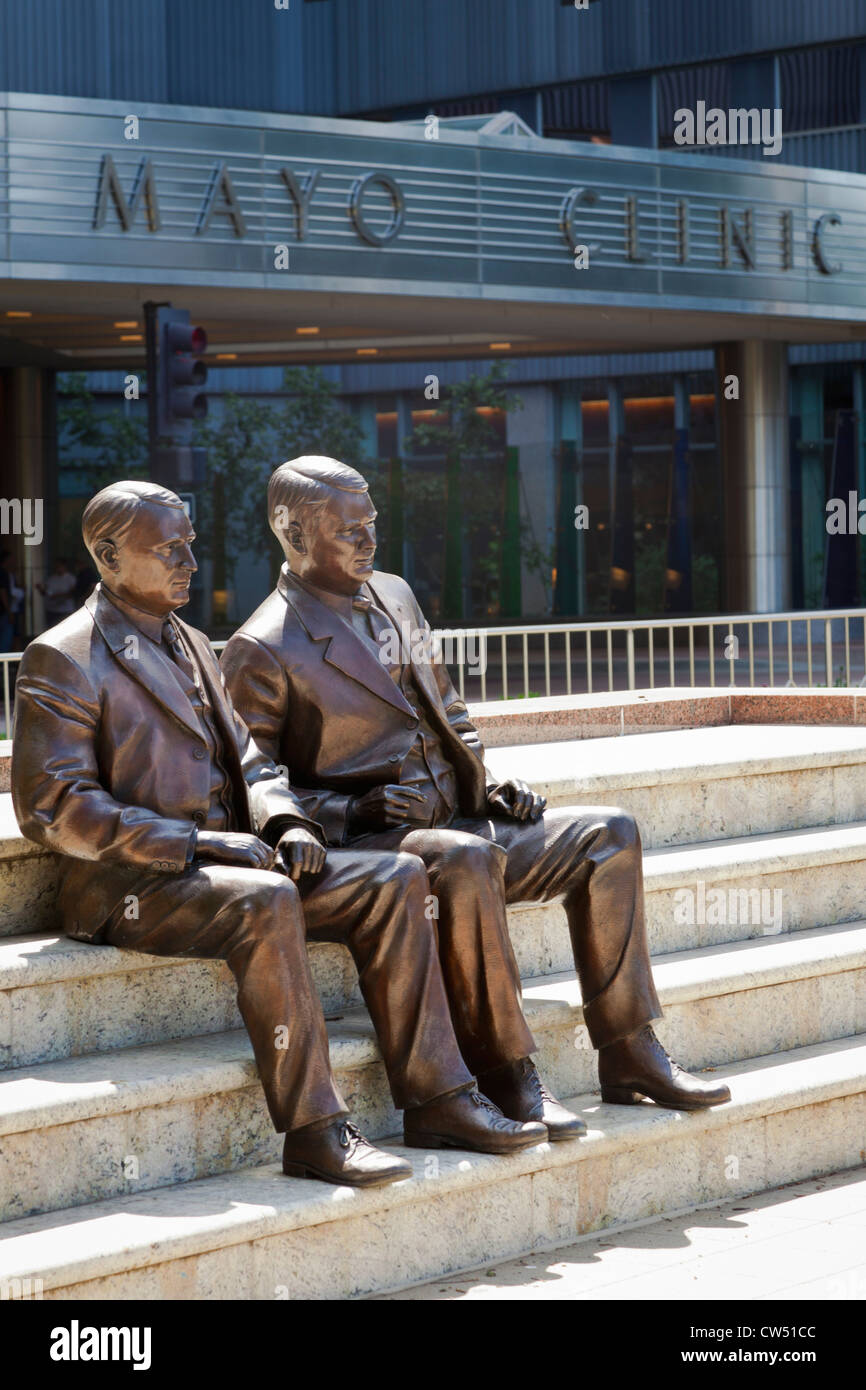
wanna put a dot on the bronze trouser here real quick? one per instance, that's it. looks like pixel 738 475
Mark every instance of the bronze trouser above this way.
pixel 255 920
pixel 590 856
pixel 466 875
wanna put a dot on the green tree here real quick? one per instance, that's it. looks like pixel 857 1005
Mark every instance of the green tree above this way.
pixel 473 503
pixel 100 445
pixel 240 446
pixel 245 443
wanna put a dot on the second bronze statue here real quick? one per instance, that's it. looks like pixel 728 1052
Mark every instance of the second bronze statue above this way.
pixel 338 678
pixel 178 836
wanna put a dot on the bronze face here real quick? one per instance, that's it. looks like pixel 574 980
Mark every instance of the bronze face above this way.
pixel 336 550
pixel 151 567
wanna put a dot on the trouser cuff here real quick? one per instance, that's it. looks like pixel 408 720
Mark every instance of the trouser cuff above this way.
pixel 314 1125
pixel 469 1085
pixel 605 1036
pixel 501 1066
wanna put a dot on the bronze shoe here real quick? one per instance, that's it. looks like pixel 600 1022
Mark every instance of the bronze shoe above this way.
pixel 338 1152
pixel 521 1094
pixel 467 1120
pixel 638 1066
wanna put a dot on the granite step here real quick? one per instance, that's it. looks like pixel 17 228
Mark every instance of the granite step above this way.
pixel 86 1128
pixel 730 890
pixel 254 1234
pixel 731 781
pixel 61 998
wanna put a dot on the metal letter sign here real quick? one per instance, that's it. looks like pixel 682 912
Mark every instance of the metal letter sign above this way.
pixel 144 186
pixel 355 207
pixel 301 193
pixel 586 196
pixel 829 219
pixel 221 184
pixel 485 211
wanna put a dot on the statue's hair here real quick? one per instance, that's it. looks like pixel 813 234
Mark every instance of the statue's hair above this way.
pixel 302 487
pixel 111 513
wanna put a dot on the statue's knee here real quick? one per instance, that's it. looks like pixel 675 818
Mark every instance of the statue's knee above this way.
pixel 402 877
pixel 409 871
pixel 268 901
pixel 472 855
pixel 622 828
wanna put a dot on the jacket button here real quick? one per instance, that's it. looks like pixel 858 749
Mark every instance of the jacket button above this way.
pixel 199 817
pixel 410 723
pixel 198 754
pixel 394 758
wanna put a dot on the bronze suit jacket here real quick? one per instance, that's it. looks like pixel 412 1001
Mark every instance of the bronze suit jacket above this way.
pixel 318 701
pixel 109 765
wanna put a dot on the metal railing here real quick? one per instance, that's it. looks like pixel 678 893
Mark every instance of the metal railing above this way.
pixel 823 648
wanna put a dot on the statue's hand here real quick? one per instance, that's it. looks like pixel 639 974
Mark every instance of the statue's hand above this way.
pixel 232 847
pixel 383 808
pixel 300 852
pixel 514 800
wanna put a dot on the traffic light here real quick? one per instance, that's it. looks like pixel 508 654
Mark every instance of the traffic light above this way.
pixel 181 374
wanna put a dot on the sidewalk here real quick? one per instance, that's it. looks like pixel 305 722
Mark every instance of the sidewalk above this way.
pixel 803 1241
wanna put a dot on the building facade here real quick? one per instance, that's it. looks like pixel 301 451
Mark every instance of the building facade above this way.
pixel 337 183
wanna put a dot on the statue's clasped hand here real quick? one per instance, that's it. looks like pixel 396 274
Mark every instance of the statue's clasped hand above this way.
pixel 297 851
pixel 385 808
pixel 233 847
pixel 515 800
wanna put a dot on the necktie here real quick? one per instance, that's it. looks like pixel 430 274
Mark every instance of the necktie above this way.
pixel 171 638
pixel 374 623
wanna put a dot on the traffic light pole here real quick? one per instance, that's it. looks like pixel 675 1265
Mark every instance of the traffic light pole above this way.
pixel 175 377
pixel 152 366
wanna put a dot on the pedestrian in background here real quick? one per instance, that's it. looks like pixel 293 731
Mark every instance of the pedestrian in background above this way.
pixel 59 593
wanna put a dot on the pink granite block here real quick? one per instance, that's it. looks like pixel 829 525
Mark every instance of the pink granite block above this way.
pixel 546 720
pixel 793 707
pixel 676 710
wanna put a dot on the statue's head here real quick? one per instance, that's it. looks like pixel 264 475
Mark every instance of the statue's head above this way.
pixel 139 536
pixel 322 514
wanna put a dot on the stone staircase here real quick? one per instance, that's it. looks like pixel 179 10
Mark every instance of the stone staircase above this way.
pixel 137 1159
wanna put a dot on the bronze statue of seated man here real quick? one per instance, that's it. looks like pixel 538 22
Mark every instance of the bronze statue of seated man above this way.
pixel 383 756
pixel 178 836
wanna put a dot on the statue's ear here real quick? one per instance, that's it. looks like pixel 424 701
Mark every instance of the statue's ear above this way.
pixel 106 554
pixel 296 537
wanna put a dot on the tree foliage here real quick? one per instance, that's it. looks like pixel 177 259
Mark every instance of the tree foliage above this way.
pixel 247 442
pixel 101 446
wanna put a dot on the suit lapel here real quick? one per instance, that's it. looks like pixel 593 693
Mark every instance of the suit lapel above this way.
pixel 216 694
pixel 232 755
pixel 344 649
pixel 140 661
pixel 472 777
pixel 402 618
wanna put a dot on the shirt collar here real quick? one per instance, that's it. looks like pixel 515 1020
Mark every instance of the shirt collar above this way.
pixel 147 623
pixel 339 603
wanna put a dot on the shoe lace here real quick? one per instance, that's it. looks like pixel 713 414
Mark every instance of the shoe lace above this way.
pixel 485 1104
pixel 651 1034
pixel 351 1137
pixel 531 1071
